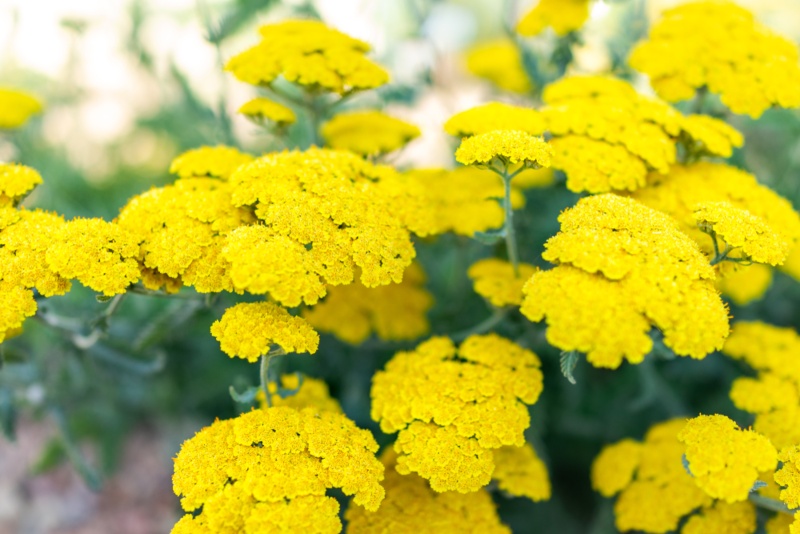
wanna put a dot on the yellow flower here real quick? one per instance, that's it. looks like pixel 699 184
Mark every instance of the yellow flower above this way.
pixel 595 166
pixel 411 506
pixel 156 281
pixel 519 472
pixel 622 269
pixel 779 524
pixel 508 146
pixel 655 491
pixel 16 304
pixel 310 54
pixel 740 229
pixel 250 329
pixel 394 312
pixel 564 16
pixel 453 406
pixel 724 460
pixel 214 161
pixel 711 136
pixel 269 470
pixel 500 62
pixel 788 476
pixel 369 133
pixel 16 181
pixel 494 279
pixel 735 518
pixel 16 107
pixel 261 110
pixel 746 284
pixel 749 66
pixel 311 393
pixel 495 116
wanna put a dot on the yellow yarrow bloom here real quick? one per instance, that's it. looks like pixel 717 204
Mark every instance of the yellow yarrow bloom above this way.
pixel 495 116
pixel 745 285
pixel 564 16
pixel 369 133
pixel 213 161
pixel 725 460
pixel 311 393
pixel 262 110
pixel 494 279
pixel 394 312
pixel 596 166
pixel 411 507
pixel 708 135
pixel 16 181
pixel 788 476
pixel 655 491
pixel 781 524
pixel 500 62
pixel 250 329
pixel 452 407
pixel 16 304
pixel 269 470
pixel 507 146
pixel 730 518
pixel 310 54
pixel 99 254
pixel 521 473
pixel 740 229
pixel 623 268
pixel 17 107
pixel 748 65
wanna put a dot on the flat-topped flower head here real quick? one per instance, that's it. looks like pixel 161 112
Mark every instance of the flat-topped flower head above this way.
pixel 495 116
pixel 507 146
pixel 500 62
pixel 748 65
pixel 750 237
pixel 16 181
pixel 251 329
pixel 101 255
pixel 411 506
pixel 270 469
pixel 788 476
pixel 724 460
pixel 518 471
pixel 622 269
pixel 711 136
pixel 213 161
pixel 16 305
pixel 369 133
pixel 564 16
pixel 495 280
pixel 453 406
pixel 731 518
pixel 17 107
pixel 265 111
pixel 310 54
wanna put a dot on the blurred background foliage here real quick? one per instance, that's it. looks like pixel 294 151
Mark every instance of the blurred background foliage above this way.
pixel 129 85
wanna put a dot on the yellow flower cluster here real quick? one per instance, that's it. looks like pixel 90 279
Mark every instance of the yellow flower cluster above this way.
pixel 411 507
pixel 262 110
pixel 507 146
pixel 99 254
pixel 564 16
pixel 773 396
pixel 788 476
pixel 311 393
pixel 16 107
pixel 452 407
pixel 655 491
pixel 394 312
pixel 623 268
pixel 310 54
pixel 707 135
pixel 500 62
pixel 495 116
pixel 730 518
pixel 518 471
pixel 16 304
pixel 495 280
pixel 740 229
pixel 249 329
pixel 724 460
pixel 213 161
pixel 16 181
pixel 749 66
pixel 268 471
pixel 369 133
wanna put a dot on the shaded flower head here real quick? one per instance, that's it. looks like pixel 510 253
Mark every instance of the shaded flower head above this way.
pixel 369 133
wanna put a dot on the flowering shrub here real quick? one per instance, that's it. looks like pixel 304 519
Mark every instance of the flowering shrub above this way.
pixel 398 334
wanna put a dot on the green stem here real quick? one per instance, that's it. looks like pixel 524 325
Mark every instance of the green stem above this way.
pixel 508 225
pixel 484 326
pixel 700 100
pixel 770 504
pixel 265 359
pixel 721 257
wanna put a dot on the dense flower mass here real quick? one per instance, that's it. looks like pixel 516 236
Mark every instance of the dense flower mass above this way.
pixel 263 110
pixel 724 460
pixel 518 471
pixel 749 66
pixel 306 392
pixel 707 135
pixel 623 268
pixel 495 116
pixel 249 330
pixel 212 161
pixel 731 518
pixel 309 54
pixel 17 107
pixel 393 312
pixel 507 146
pixel 563 16
pixel 788 476
pixel 496 281
pixel 269 470
pixel 501 63
pixel 369 133
pixel 453 406
pixel 16 181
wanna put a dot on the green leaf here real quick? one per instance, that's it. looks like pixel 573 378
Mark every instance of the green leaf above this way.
pixel 685 464
pixel 8 413
pixel 491 237
pixel 246 397
pixel 568 362
pixel 51 457
pixel 102 298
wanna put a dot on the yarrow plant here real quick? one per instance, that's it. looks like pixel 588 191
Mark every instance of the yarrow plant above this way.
pixel 394 332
